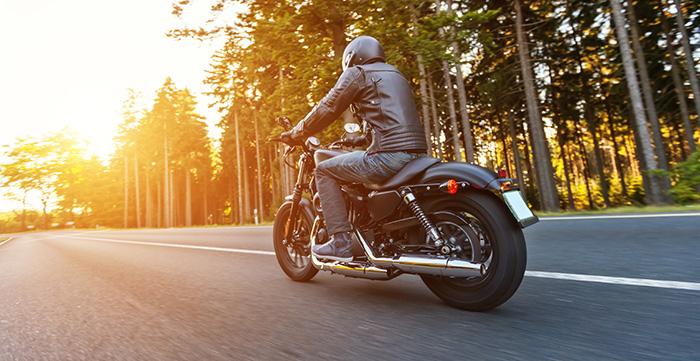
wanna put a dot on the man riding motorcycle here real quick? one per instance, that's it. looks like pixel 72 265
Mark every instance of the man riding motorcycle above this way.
pixel 378 94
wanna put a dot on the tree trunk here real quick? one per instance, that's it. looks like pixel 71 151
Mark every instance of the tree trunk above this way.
pixel 283 170
pixel 239 169
pixel 451 107
pixel 462 95
pixel 424 102
pixel 337 29
pixel 690 62
pixel 159 202
pixel 149 201
pixel 567 175
pixel 126 190
pixel 166 185
pixel 188 198
pixel 516 152
pixel 654 196
pixel 531 176
pixel 543 162
pixel 504 141
pixel 586 168
pixel 592 120
pixel 648 96
pixel 171 199
pixel 274 181
pixel 436 120
pixel 259 167
pixel 619 164
pixel 205 201
pixel 137 191
pixel 246 188
pixel 600 167
pixel 678 89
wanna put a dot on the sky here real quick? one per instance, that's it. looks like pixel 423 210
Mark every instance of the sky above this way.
pixel 70 63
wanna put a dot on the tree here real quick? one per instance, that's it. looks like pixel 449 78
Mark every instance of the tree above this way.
pixel 543 161
pixel 689 61
pixel 654 196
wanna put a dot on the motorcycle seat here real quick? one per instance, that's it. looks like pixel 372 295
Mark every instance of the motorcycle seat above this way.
pixel 408 172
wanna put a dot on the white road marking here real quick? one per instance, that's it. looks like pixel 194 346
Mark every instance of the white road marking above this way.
pixel 5 241
pixel 619 216
pixel 643 282
pixel 174 245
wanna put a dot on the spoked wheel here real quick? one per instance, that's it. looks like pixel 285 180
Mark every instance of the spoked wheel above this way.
pixel 294 255
pixel 483 226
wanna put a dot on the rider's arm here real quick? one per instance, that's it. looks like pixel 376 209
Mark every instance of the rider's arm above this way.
pixel 332 105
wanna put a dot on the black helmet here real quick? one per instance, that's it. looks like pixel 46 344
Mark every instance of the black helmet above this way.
pixel 362 50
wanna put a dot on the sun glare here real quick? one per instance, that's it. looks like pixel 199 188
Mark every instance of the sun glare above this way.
pixel 68 76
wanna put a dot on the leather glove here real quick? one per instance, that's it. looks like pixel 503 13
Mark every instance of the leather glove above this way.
pixel 293 136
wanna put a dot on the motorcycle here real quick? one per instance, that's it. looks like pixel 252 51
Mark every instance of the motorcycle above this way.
pixel 456 225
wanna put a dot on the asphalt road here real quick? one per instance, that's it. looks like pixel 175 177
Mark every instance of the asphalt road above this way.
pixel 77 295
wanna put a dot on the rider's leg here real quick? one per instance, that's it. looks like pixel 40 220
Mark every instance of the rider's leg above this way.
pixel 355 167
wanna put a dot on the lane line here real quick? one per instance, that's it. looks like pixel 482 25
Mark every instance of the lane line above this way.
pixel 642 282
pixel 174 245
pixel 622 216
pixel 5 241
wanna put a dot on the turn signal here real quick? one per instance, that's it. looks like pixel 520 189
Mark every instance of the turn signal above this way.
pixel 452 186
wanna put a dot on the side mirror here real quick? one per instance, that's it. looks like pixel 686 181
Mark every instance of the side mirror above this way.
pixel 284 122
pixel 351 128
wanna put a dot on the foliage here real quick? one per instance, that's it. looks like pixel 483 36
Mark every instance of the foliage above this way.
pixel 281 57
pixel 686 180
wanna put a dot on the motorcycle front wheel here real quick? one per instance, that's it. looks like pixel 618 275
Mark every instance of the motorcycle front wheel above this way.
pixel 294 255
pixel 503 250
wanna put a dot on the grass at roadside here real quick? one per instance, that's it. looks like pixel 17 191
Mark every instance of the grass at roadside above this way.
pixel 625 210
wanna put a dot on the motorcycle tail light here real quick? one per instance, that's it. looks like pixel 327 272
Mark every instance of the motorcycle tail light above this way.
pixel 502 173
pixel 452 186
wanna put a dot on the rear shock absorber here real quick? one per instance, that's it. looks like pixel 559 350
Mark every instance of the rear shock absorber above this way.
pixel 410 199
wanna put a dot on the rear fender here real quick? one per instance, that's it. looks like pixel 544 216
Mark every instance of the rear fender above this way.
pixel 384 204
pixel 478 177
pixel 481 178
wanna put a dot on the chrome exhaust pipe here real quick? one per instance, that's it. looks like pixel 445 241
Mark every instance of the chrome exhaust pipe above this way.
pixel 350 269
pixel 431 265
pixel 354 269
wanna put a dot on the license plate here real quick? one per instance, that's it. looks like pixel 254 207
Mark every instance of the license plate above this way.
pixel 517 206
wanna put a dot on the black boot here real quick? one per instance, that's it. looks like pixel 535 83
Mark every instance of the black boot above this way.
pixel 341 247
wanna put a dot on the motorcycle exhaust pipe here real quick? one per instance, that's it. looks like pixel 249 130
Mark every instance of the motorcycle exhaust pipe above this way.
pixel 356 270
pixel 431 265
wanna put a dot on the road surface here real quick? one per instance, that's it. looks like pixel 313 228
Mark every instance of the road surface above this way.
pixel 218 294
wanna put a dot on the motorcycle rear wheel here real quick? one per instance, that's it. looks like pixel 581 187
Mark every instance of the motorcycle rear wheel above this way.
pixel 508 256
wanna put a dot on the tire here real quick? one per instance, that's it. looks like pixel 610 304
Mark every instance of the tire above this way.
pixel 284 259
pixel 507 247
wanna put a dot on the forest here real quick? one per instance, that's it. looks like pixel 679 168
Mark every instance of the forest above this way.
pixel 589 104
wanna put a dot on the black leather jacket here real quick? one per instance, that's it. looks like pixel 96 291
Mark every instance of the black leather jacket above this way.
pixel 378 94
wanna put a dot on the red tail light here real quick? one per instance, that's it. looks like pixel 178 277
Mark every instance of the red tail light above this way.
pixel 452 186
pixel 502 173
